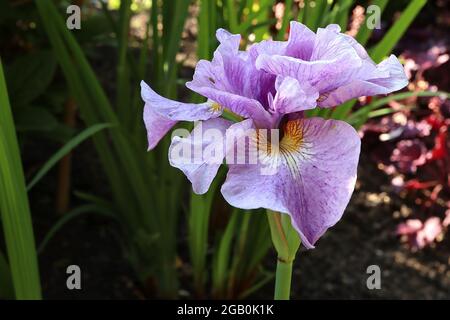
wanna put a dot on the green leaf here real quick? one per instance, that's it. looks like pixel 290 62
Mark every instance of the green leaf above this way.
pixel 131 172
pixel 361 114
pixel 364 32
pixel 70 145
pixel 6 285
pixel 232 16
pixel 221 259
pixel 267 277
pixel 287 16
pixel 123 87
pixel 94 27
pixel 69 216
pixel 314 10
pixel 198 222
pixel 385 46
pixel 14 207
pixel 343 14
pixel 34 119
pixel 382 112
pixel 29 75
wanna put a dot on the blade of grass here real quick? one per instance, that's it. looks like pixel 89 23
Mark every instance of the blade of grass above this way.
pixel 334 15
pixel 315 10
pixel 267 277
pixel 364 111
pixel 341 112
pixel 204 31
pixel 381 112
pixel 69 216
pixel 385 46
pixel 129 169
pixel 200 211
pixel 238 253
pixel 364 32
pixel 157 62
pixel 136 125
pixel 6 287
pixel 124 152
pixel 15 212
pixel 69 146
pixel 123 76
pixel 127 177
pixel 302 13
pixel 286 18
pixel 221 259
pixel 76 86
pixel 172 41
pixel 232 16
pixel 264 13
pixel 343 14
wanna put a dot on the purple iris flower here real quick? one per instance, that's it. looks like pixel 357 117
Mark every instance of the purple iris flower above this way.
pixel 269 86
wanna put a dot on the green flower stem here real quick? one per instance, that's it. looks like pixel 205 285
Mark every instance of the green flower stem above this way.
pixel 283 280
pixel 286 242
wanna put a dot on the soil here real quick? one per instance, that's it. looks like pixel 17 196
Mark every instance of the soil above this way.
pixel 365 236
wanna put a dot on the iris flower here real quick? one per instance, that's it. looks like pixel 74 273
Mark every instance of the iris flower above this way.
pixel 269 86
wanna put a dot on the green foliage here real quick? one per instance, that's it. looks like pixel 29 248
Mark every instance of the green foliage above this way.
pixel 70 145
pixel 385 46
pixel 35 118
pixel 236 269
pixel 147 192
pixel 6 288
pixel 71 215
pixel 14 208
pixel 29 76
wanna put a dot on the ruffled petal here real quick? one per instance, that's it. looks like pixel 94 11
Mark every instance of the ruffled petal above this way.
pixel 161 114
pixel 200 154
pixel 232 80
pixel 157 126
pixel 330 66
pixel 301 40
pixel 314 180
pixel 293 97
pixel 388 77
pixel 396 78
pixel 336 65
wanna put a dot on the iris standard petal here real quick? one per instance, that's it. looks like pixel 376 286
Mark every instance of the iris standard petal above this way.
pixel 292 97
pixel 232 80
pixel 301 40
pixel 338 67
pixel 161 114
pixel 389 76
pixel 314 181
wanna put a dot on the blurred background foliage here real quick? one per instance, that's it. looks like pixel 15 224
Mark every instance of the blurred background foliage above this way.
pixel 69 86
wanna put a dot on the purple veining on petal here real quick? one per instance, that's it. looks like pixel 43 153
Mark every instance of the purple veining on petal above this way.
pixel 161 114
pixel 207 135
pixel 313 184
pixel 270 85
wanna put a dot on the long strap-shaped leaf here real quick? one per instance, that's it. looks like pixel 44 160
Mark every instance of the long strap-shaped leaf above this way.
pixel 14 207
pixel 397 30
pixel 70 145
pixel 385 46
pixel 6 286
